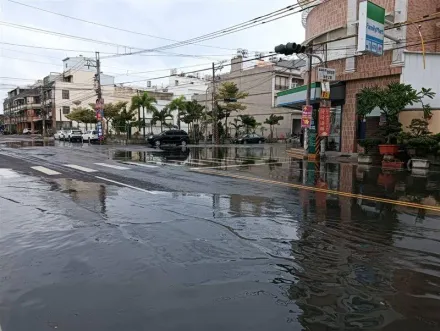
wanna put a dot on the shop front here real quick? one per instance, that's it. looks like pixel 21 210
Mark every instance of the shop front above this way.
pixel 295 99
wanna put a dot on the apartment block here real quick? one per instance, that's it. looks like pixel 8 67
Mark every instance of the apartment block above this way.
pixel 262 80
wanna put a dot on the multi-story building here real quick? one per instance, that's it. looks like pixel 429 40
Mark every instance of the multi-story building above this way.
pixel 262 81
pixel 22 108
pixel 59 93
pixel 180 84
pixel 331 28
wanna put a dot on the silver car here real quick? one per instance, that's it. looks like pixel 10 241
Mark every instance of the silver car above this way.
pixel 59 135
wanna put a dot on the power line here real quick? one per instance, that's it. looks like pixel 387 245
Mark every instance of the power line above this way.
pixel 233 29
pixel 252 21
pixel 425 18
pixel 38 30
pixel 109 26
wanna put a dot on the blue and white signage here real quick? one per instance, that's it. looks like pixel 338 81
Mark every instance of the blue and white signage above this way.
pixel 371 30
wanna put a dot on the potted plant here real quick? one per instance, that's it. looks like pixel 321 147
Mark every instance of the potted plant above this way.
pixel 391 100
pixel 420 142
pixel 370 149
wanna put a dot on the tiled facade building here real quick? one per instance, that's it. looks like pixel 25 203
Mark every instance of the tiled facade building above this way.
pixel 332 27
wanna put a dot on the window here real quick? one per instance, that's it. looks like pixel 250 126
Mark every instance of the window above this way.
pixel 281 83
pixel 176 82
pixel 67 79
pixel 65 94
pixel 66 110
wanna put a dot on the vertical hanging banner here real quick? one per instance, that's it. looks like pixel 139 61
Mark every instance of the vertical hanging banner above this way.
pixel 371 30
pixel 99 109
pixel 324 122
pixel 306 118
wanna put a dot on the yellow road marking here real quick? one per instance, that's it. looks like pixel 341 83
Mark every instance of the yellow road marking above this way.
pixel 239 165
pixel 316 189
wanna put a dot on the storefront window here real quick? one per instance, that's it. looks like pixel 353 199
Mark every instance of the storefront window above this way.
pixel 334 139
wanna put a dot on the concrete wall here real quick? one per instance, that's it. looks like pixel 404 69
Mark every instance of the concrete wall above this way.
pixel 405 117
pixel 413 73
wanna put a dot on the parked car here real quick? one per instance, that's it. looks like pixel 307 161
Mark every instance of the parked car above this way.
pixel 74 135
pixel 60 135
pixel 90 136
pixel 251 138
pixel 27 131
pixel 177 137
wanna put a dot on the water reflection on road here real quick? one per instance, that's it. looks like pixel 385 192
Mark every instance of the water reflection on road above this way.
pixel 313 260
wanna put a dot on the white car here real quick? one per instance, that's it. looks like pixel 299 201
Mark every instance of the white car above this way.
pixel 90 136
pixel 74 135
pixel 27 131
pixel 60 135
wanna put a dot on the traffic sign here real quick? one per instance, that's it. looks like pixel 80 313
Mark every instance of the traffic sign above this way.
pixel 326 74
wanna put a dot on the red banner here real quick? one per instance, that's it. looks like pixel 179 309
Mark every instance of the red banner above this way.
pixel 306 118
pixel 324 121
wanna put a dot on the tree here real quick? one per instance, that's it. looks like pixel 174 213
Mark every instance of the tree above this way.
pixel 192 115
pixel 228 95
pixel 145 102
pixel 273 120
pixel 262 129
pixel 160 116
pixel 178 104
pixel 249 122
pixel 82 115
pixel 391 100
pixel 237 125
pixel 124 117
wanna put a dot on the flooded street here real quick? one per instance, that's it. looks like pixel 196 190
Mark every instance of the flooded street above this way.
pixel 242 238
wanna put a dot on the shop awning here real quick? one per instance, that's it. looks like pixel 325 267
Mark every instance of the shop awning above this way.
pixel 296 97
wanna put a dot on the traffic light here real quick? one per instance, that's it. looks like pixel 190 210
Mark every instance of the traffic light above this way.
pixel 290 48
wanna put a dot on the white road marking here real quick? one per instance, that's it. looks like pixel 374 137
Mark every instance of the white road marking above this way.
pixel 77 167
pixel 126 185
pixel 141 164
pixel 8 173
pixel 112 166
pixel 46 171
pixel 238 165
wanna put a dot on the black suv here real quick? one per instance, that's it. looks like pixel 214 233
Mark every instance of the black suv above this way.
pixel 176 137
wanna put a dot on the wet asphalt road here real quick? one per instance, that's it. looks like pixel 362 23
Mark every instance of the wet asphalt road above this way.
pixel 212 239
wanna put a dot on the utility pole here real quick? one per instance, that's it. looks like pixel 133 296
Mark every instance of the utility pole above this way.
pixel 215 137
pixel 43 108
pixel 308 95
pixel 99 101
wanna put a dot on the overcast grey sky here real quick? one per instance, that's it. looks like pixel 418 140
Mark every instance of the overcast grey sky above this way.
pixel 173 19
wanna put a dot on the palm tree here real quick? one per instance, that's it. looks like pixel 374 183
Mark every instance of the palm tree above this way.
pixel 193 114
pixel 237 125
pixel 262 129
pixel 273 120
pixel 249 122
pixel 229 94
pixel 178 104
pixel 145 102
pixel 161 116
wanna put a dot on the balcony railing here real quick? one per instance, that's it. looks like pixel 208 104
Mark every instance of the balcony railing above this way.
pixel 281 87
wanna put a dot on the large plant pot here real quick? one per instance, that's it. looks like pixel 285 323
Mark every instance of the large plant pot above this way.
pixel 392 164
pixel 420 163
pixel 365 159
pixel 388 149
pixel 386 180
